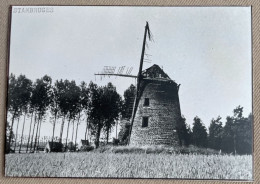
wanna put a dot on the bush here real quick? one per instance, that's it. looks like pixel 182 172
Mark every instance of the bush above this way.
pixel 115 142
pixel 123 134
pixel 71 146
pixel 8 148
pixel 86 148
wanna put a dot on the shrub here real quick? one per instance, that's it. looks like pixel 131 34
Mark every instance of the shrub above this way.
pixel 115 142
pixel 86 148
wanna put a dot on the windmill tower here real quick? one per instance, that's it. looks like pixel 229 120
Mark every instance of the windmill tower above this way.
pixel 156 109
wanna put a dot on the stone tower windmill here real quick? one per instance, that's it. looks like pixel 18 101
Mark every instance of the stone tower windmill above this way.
pixel 156 108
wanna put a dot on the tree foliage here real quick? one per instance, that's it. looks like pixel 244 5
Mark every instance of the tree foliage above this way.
pixel 19 94
pixel 199 133
pixel 184 132
pixel 41 99
pixel 228 136
pixel 94 111
pixel 215 133
pixel 237 133
pixel 103 109
pixel 242 128
pixel 128 102
pixel 123 134
pixel 110 107
pixel 41 95
pixel 62 102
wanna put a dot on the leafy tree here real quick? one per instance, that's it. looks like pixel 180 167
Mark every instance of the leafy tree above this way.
pixel 110 107
pixel 12 105
pixel 242 128
pixel 54 107
pixel 215 133
pixel 72 101
pixel 62 96
pixel 184 132
pixel 248 135
pixel 199 133
pixel 26 91
pixel 83 105
pixel 41 98
pixel 228 136
pixel 123 134
pixel 237 133
pixel 14 101
pixel 95 115
pixel 18 98
pixel 128 102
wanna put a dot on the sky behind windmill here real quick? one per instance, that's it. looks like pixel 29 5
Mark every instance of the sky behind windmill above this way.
pixel 205 49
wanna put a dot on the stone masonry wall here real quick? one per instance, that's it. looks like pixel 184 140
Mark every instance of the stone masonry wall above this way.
pixel 163 113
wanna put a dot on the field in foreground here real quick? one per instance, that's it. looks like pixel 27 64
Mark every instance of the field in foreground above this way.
pixel 129 165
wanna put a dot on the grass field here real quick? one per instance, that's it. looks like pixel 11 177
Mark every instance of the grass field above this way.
pixel 129 165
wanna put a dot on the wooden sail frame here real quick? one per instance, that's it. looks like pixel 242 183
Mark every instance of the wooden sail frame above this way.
pixel 120 75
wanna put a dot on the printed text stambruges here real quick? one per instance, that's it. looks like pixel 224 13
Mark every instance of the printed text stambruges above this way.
pixel 33 10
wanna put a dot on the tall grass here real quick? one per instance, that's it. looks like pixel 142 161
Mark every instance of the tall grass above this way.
pixel 94 164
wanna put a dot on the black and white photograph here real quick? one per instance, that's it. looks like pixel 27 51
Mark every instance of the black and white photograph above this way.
pixel 130 92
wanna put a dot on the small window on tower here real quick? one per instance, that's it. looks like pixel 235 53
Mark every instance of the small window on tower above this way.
pixel 145 122
pixel 146 102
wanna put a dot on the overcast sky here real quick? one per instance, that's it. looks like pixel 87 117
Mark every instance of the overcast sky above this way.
pixel 205 49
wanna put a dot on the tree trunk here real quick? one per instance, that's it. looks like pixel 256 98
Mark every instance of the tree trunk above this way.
pixel 98 136
pixel 116 128
pixel 67 135
pixel 54 123
pixel 235 150
pixel 76 136
pixel 61 129
pixel 31 146
pixel 107 133
pixel 36 136
pixel 16 134
pixel 22 133
pixel 72 130
pixel 38 141
pixel 86 132
pixel 27 147
pixel 10 136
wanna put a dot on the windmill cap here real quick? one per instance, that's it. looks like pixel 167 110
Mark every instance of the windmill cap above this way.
pixel 155 72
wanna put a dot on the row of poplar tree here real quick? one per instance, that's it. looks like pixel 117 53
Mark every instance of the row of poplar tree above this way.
pixel 100 105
